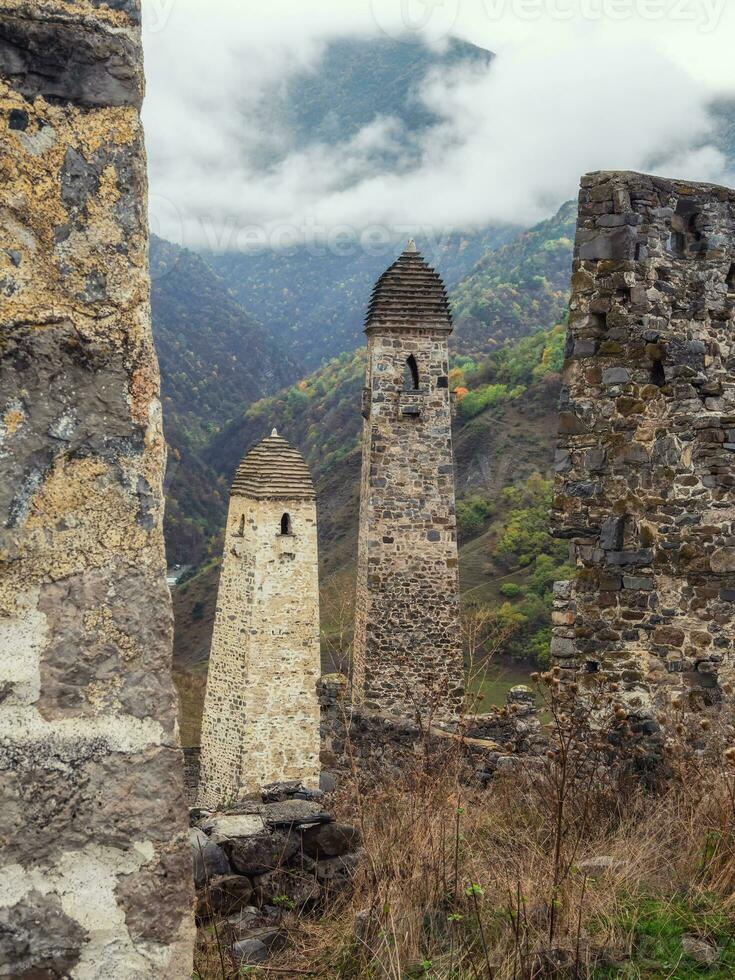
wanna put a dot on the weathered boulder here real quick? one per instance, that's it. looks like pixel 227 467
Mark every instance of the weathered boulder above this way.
pixel 330 840
pixel 220 827
pixel 300 886
pixel 259 853
pixel 249 919
pixel 224 895
pixel 294 813
pixel 209 860
pixel 336 872
pixel 700 950
pixel 248 951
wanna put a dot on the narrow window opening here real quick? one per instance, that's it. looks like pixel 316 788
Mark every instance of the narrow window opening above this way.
pixel 658 375
pixel 694 228
pixel 241 529
pixel 677 244
pixel 593 667
pixel 731 279
pixel 411 374
pixel 286 524
pixel 598 322
pixel 443 381
pixel 638 252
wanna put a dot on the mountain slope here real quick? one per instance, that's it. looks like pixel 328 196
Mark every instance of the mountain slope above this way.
pixel 314 298
pixel 496 445
pixel 513 291
pixel 215 359
pixel 356 82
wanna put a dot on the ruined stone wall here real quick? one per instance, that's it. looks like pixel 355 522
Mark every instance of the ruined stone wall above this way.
pixel 95 865
pixel 384 745
pixel 407 651
pixel 261 713
pixel 645 477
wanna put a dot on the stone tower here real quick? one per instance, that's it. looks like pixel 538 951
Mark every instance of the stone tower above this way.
pixel 647 441
pixel 408 650
pixel 95 861
pixel 261 712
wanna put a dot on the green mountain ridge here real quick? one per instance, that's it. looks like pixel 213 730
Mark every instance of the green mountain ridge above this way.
pixel 313 297
pixel 215 360
pixel 501 445
pixel 504 432
pixel 356 82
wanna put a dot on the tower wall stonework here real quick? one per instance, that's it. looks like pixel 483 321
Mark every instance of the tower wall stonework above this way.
pixel 96 868
pixel 645 475
pixel 407 650
pixel 261 713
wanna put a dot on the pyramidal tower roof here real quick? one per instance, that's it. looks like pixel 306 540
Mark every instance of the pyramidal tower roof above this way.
pixel 409 295
pixel 273 470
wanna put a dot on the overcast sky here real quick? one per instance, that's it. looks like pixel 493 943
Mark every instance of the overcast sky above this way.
pixel 578 85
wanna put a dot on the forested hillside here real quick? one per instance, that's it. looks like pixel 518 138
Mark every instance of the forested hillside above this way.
pixel 215 359
pixel 504 439
pixel 356 81
pixel 513 290
pixel 314 297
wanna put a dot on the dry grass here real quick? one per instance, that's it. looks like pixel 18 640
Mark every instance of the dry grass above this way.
pixel 458 882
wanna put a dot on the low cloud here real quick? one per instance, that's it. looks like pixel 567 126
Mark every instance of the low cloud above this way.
pixel 510 144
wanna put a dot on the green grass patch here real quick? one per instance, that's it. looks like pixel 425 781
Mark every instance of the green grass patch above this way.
pixel 657 926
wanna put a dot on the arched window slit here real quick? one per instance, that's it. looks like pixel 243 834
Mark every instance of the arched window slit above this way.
pixel 411 374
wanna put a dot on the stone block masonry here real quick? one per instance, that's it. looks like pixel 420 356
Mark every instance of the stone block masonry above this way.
pixel 261 711
pixel 645 473
pixel 96 870
pixel 407 650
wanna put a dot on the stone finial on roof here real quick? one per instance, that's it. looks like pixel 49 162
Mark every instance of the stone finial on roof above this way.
pixel 273 470
pixel 274 432
pixel 409 294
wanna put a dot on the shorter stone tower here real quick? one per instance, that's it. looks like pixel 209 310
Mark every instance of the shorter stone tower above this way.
pixel 261 712
pixel 408 649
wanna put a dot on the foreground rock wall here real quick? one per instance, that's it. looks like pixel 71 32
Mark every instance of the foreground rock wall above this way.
pixel 647 440
pixel 95 864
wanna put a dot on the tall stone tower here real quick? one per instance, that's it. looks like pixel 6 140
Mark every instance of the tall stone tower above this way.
pixel 408 650
pixel 261 712
pixel 647 441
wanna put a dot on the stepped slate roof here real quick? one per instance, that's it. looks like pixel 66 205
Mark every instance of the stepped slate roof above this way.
pixel 273 470
pixel 409 295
